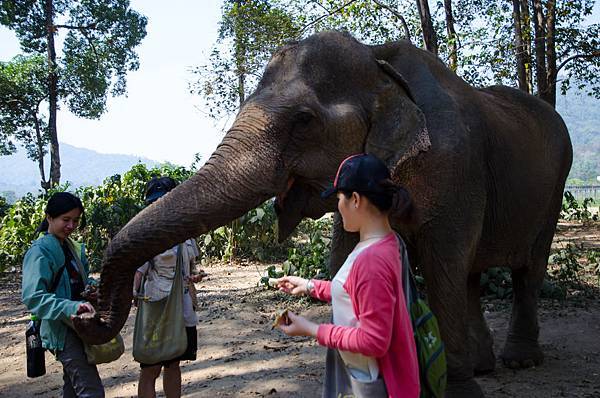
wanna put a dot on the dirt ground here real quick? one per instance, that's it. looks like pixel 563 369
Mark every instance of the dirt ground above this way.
pixel 240 356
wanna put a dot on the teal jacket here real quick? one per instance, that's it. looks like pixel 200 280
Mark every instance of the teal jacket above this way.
pixel 42 262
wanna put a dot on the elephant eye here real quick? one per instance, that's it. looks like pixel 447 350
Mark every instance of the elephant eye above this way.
pixel 303 118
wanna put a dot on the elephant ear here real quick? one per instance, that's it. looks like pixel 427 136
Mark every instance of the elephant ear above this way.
pixel 398 127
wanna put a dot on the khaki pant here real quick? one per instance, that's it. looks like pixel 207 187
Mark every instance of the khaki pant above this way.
pixel 81 379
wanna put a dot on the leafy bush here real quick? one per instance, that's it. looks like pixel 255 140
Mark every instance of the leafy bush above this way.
pixel 308 256
pixel 111 205
pixel 4 206
pixel 18 229
pixel 571 209
pixel 593 260
pixel 565 268
pixel 252 236
pixel 496 283
pixel 108 208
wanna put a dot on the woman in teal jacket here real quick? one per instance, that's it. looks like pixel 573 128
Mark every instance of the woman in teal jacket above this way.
pixel 55 273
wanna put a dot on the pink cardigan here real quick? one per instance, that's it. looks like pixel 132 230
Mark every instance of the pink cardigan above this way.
pixel 385 332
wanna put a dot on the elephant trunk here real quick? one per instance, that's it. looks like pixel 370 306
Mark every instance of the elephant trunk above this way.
pixel 243 172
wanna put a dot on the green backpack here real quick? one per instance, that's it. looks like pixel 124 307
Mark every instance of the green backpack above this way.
pixel 428 340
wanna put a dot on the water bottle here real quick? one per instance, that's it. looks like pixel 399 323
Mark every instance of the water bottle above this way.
pixel 36 360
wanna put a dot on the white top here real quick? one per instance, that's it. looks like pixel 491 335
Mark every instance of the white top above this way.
pixel 361 367
pixel 159 278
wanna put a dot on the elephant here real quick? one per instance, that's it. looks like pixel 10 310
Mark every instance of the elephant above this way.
pixel 485 168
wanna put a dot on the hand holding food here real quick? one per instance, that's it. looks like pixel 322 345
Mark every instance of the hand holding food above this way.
pixel 281 318
pixel 297 325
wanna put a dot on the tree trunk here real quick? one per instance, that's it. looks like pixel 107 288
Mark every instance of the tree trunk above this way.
pixel 52 96
pixel 40 152
pixel 551 73
pixel 540 49
pixel 526 38
pixel 452 37
pixel 429 36
pixel 519 48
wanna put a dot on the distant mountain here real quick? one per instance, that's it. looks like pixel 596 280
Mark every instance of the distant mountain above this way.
pixel 79 166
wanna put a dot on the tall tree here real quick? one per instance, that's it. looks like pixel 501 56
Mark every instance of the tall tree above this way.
pixel 564 49
pixel 520 47
pixel 249 31
pixel 452 36
pixel 98 51
pixel 429 34
pixel 23 88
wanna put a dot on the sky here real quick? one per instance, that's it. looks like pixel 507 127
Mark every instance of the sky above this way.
pixel 159 119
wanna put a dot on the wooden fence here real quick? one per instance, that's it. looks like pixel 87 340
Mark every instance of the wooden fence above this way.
pixel 581 192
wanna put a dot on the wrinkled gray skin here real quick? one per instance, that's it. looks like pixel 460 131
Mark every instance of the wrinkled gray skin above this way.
pixel 485 167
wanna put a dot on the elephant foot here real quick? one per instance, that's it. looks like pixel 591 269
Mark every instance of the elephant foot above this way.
pixel 485 365
pixel 485 361
pixel 464 389
pixel 521 354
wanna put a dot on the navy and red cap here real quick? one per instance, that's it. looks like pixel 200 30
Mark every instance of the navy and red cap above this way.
pixel 359 173
pixel 157 187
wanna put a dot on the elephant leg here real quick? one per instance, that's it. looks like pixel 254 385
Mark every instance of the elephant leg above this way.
pixel 522 349
pixel 446 278
pixel 480 339
pixel 342 243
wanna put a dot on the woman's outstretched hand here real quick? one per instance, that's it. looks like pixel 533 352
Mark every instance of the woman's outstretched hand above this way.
pixel 298 326
pixel 292 285
pixel 85 308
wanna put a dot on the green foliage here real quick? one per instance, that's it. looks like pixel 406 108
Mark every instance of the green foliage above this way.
pixel 308 254
pixel 593 263
pixel 566 267
pixel 111 205
pixel 572 210
pixel 487 43
pixel 496 283
pixel 308 259
pixel 18 229
pixel 98 48
pixel 484 28
pixel 254 236
pixel 4 206
pixel 108 208
pixel 249 32
pixel 23 87
pixel 97 52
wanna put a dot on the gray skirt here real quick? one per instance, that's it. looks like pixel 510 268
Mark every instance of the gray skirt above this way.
pixel 340 383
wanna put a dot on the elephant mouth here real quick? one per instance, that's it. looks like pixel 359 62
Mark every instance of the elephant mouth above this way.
pixel 280 198
pixel 301 198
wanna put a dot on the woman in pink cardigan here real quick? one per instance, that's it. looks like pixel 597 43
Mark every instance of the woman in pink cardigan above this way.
pixel 371 349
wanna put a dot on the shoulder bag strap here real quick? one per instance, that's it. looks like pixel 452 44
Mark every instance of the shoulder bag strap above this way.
pixel 57 279
pixel 77 259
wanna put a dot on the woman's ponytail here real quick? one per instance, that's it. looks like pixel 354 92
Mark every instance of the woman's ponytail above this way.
pixel 43 227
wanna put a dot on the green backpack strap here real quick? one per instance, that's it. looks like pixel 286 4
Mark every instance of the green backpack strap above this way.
pixel 431 352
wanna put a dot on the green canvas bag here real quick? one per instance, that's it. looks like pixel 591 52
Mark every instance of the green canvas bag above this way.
pixel 104 353
pixel 431 353
pixel 96 353
pixel 159 333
